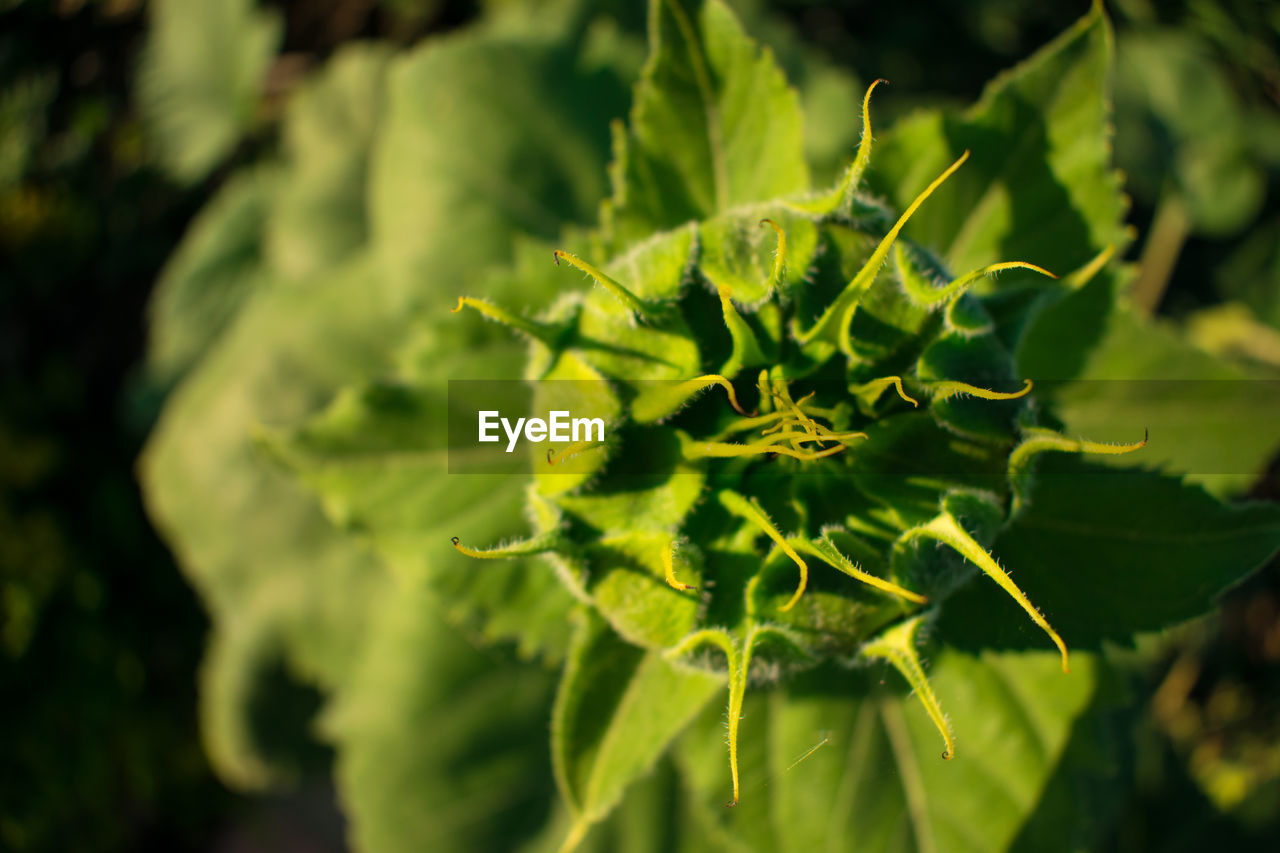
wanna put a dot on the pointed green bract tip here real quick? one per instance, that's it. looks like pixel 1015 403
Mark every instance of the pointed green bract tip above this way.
pixel 897 645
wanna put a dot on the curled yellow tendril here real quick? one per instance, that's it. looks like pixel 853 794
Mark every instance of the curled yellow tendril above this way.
pixel 1036 441
pixel 788 428
pixel 863 157
pixel 716 379
pixel 782 394
pixel 723 450
pixel 661 399
pixel 842 195
pixel 934 296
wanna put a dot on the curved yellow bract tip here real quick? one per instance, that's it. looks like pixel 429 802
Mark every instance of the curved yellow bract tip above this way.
pixel 750 509
pixel 1009 265
pixel 945 529
pixel 669 567
pixel 1085 274
pixel 724 383
pixel 897 645
pixel 824 549
pixel 738 664
pixel 629 299
pixel 897 383
pixel 470 552
pixel 555 457
pixel 863 157
pixel 533 328
pixel 873 389
pixel 539 544
pixel 726 450
pixel 832 326
pixel 948 388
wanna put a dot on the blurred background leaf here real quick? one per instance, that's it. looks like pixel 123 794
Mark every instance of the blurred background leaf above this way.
pixel 201 78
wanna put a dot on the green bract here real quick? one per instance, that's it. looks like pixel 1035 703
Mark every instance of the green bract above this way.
pixel 824 444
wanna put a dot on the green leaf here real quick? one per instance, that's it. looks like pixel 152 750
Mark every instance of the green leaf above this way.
pixel 437 740
pixel 319 215
pixel 844 760
pixel 607 334
pixel 616 711
pixel 1107 553
pixel 1182 125
pixel 378 460
pixel 213 271
pixel 485 137
pixel 1251 274
pixel 740 252
pixel 628 589
pixel 1038 186
pixel 200 78
pixel 1209 418
pixel 655 814
pixel 278 580
pixel 713 125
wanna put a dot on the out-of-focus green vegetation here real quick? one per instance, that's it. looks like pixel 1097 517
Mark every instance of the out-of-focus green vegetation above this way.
pixel 97 638
pixel 122 125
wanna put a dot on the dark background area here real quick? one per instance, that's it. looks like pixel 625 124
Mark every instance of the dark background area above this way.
pixel 100 635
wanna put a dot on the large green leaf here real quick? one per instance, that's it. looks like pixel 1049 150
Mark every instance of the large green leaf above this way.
pixel 284 587
pixel 713 125
pixel 1107 553
pixel 378 458
pixel 437 740
pixel 1183 128
pixel 201 77
pixel 279 582
pixel 217 266
pixel 320 216
pixel 1209 418
pixel 849 761
pixel 1038 186
pixel 655 814
pixel 617 709
pixel 484 137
